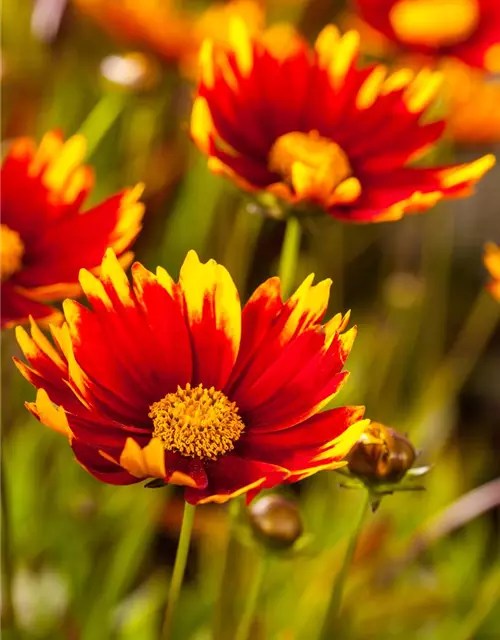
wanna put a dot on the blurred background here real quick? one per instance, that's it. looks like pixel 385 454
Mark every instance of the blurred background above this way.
pixel 92 561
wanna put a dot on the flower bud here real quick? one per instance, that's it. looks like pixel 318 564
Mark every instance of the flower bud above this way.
pixel 381 455
pixel 275 521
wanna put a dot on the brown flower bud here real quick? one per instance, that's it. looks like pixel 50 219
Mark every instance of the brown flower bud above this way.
pixel 381 455
pixel 275 521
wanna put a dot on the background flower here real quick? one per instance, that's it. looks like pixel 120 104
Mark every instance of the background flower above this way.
pixel 45 238
pixel 174 381
pixel 346 150
pixel 492 263
pixel 465 29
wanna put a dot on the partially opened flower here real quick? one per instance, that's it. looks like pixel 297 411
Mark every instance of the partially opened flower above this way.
pixel 492 263
pixel 310 127
pixel 465 29
pixel 45 237
pixel 174 381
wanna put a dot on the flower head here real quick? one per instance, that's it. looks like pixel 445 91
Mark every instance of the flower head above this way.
pixel 164 27
pixel 310 127
pixel 174 381
pixel 472 99
pixel 45 238
pixel 465 29
pixel 492 263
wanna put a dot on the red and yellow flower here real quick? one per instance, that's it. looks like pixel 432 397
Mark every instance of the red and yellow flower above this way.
pixel 309 126
pixel 465 29
pixel 45 237
pixel 175 381
pixel 492 263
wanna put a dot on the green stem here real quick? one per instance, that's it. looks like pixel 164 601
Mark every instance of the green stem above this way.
pixel 179 568
pixel 252 600
pixel 8 611
pixel 461 359
pixel 100 120
pixel 224 615
pixel 289 255
pixel 332 612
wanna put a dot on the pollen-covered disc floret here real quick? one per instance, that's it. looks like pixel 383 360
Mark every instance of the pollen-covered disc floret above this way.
pixel 197 422
pixel 11 251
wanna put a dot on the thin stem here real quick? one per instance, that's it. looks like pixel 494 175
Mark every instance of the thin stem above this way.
pixel 224 615
pixel 179 568
pixel 252 600
pixel 289 255
pixel 101 118
pixel 461 359
pixel 8 611
pixel 332 612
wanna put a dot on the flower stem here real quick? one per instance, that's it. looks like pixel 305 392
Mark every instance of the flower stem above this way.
pixel 332 612
pixel 8 611
pixel 289 255
pixel 179 568
pixel 224 615
pixel 101 119
pixel 245 625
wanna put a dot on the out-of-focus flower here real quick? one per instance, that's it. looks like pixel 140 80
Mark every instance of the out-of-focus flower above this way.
pixel 311 127
pixel 132 70
pixel 173 381
pixel 45 237
pixel 472 104
pixel 492 263
pixel 275 521
pixel 171 32
pixel 465 29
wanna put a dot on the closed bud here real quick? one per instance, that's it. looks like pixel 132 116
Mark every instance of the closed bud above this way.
pixel 381 456
pixel 275 521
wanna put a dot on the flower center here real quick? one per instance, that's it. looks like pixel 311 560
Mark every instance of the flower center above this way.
pixel 197 422
pixel 11 252
pixel 311 150
pixel 434 22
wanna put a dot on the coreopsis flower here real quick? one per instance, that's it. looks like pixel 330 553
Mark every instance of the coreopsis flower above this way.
pixel 492 263
pixel 45 237
pixel 174 382
pixel 165 28
pixel 311 127
pixel 465 29
pixel 472 99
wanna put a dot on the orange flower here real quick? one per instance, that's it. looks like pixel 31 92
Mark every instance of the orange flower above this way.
pixel 465 29
pixel 174 381
pixel 492 263
pixel 45 239
pixel 311 126
pixel 473 104
pixel 163 27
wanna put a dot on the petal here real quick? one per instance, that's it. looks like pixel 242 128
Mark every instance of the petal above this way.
pixel 231 476
pixel 213 311
pixel 100 465
pixel 17 308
